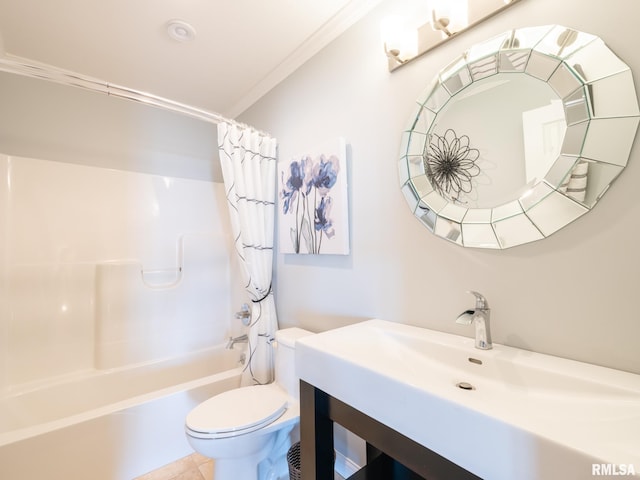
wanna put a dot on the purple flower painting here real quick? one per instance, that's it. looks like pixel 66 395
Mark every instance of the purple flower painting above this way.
pixel 313 203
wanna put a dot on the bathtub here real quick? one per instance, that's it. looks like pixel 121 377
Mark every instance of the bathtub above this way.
pixel 109 425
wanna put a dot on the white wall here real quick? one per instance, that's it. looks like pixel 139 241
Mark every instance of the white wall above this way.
pixel 573 294
pixel 42 119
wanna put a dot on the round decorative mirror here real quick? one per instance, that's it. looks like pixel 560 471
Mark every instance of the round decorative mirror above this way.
pixel 518 137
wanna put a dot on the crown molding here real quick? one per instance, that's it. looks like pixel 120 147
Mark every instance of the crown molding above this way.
pixel 329 31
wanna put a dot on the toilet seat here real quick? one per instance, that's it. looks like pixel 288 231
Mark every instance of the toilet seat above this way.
pixel 237 412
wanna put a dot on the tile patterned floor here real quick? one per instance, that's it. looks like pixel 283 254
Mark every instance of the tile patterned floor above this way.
pixel 193 467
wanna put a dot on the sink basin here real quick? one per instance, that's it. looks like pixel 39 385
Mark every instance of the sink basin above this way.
pixel 503 413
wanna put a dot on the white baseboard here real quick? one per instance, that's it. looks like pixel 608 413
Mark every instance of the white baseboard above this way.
pixel 344 466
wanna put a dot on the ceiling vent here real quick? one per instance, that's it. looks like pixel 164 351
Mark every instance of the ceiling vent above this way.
pixel 180 31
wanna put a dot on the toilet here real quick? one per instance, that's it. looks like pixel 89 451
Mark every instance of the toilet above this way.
pixel 248 430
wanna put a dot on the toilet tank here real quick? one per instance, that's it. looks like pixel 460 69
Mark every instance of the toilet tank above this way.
pixel 285 368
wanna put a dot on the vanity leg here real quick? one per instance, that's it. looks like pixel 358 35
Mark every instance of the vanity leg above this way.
pixel 316 434
pixel 372 453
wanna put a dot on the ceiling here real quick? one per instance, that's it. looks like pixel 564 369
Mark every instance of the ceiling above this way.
pixel 242 48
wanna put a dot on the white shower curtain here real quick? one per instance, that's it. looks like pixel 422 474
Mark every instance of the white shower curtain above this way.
pixel 249 169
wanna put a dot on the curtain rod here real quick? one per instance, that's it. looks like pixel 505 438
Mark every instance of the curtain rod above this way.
pixel 65 77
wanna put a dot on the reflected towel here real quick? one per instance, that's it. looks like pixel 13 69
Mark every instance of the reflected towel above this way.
pixel 575 186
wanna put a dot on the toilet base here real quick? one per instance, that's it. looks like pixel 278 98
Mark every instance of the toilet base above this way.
pixel 275 466
pixel 267 463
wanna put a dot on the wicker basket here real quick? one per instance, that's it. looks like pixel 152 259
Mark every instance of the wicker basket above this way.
pixel 293 460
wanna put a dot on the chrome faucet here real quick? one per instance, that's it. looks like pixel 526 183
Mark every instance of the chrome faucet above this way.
pixel 244 314
pixel 480 316
pixel 233 340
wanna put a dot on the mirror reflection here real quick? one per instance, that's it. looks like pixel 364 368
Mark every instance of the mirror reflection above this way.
pixel 518 137
pixel 492 170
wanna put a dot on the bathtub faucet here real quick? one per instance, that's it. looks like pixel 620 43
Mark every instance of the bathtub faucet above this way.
pixel 233 340
pixel 244 314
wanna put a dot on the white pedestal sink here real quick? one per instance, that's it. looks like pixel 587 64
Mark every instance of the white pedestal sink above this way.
pixel 527 416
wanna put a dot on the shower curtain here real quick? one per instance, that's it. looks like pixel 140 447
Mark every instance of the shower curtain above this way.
pixel 248 162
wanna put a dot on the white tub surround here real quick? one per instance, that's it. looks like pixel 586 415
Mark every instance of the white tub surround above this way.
pixel 114 313
pixel 106 268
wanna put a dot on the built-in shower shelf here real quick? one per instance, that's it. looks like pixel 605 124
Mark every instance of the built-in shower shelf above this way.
pixel 144 314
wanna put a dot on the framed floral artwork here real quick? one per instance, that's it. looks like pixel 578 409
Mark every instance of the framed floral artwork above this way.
pixel 313 201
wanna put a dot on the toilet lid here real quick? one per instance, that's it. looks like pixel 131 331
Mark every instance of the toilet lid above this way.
pixel 237 411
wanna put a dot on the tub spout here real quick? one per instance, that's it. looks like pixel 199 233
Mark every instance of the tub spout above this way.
pixel 233 340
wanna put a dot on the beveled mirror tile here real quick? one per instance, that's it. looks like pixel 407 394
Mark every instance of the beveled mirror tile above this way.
pixel 513 61
pixel 421 186
pixel 403 171
pixel 434 201
pixel 562 41
pixel 515 231
pixel 457 82
pixel 564 82
pixel 452 231
pixel 535 195
pixel 404 143
pixel 555 212
pixel 505 211
pixel 478 215
pixel 541 66
pixel 438 98
pixel 511 41
pixel 484 68
pixel 595 61
pixel 599 178
pixel 424 120
pixel 575 185
pixel 453 212
pixel 455 68
pixel 576 109
pixel 574 139
pixel 416 143
pixel 551 43
pixel 614 96
pixel 410 196
pixel 560 170
pixel 609 140
pixel 427 216
pixel 479 236
pixel 574 41
pixel 415 165
pixel 529 37
pixel 416 148
pixel 411 123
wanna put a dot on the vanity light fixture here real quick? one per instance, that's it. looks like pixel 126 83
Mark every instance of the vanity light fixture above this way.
pixel 400 39
pixel 449 16
pixel 180 31
pixel 436 21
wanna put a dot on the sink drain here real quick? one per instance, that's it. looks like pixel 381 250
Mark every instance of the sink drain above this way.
pixel 465 386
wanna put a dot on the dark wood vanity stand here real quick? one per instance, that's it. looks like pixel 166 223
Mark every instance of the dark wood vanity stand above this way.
pixel 390 455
